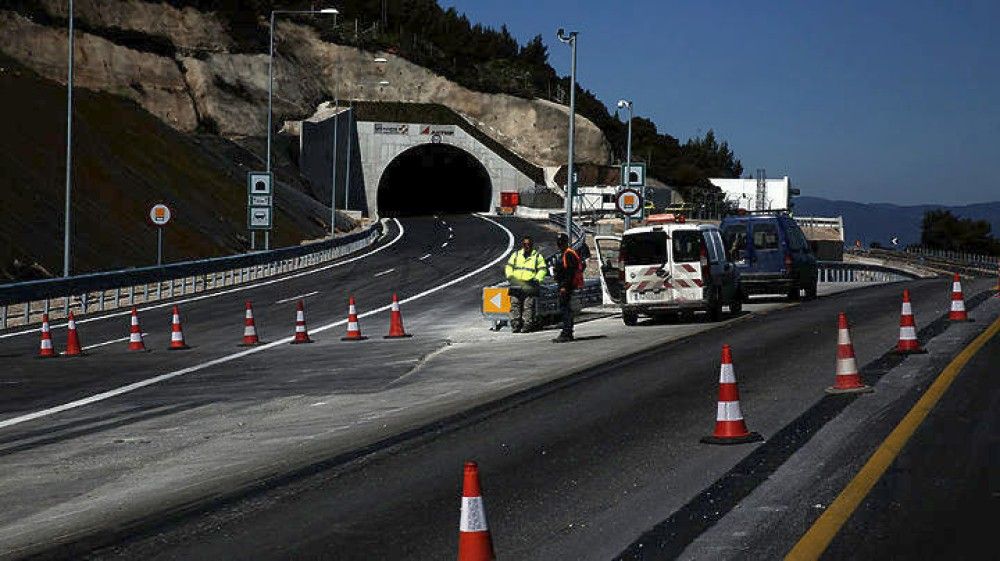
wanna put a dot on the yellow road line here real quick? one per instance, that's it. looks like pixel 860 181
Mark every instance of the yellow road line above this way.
pixel 815 541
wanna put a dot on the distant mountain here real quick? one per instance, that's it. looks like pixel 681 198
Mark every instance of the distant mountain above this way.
pixel 879 222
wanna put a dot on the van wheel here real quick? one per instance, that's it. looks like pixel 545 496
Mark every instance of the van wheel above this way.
pixel 736 306
pixel 715 306
pixel 630 318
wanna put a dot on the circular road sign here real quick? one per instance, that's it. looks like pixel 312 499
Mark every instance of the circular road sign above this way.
pixel 160 214
pixel 629 202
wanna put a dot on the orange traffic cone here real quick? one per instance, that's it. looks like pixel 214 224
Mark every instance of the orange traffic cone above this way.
pixel 396 330
pixel 46 350
pixel 474 541
pixel 301 334
pixel 957 312
pixel 847 380
pixel 73 347
pixel 135 333
pixel 908 343
pixel 176 334
pixel 249 328
pixel 353 328
pixel 729 425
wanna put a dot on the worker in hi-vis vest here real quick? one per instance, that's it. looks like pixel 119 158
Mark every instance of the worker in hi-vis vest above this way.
pixel 525 270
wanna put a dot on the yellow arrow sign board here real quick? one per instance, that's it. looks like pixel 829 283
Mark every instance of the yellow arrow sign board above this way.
pixel 496 300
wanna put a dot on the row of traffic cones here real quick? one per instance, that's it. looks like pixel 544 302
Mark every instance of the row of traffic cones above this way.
pixel 475 542
pixel 250 337
pixel 730 427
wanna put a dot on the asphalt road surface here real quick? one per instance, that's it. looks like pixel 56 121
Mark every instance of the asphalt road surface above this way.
pixel 580 470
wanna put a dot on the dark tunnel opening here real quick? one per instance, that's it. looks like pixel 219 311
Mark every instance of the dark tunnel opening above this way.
pixel 434 179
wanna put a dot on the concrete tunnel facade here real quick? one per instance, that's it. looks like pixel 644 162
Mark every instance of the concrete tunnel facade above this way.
pixel 400 169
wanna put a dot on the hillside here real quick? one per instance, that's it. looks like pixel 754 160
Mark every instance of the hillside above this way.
pixel 125 160
pixel 880 222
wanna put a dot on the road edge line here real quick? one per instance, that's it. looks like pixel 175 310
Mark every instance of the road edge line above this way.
pixel 815 541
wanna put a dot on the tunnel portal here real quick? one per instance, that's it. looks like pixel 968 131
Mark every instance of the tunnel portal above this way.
pixel 434 179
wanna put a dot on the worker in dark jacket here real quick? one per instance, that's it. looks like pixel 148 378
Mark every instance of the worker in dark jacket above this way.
pixel 565 269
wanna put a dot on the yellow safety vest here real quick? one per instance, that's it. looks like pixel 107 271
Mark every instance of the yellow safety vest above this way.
pixel 528 268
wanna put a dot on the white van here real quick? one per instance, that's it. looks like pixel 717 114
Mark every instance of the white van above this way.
pixel 669 266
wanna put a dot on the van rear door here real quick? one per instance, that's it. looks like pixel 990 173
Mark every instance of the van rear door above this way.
pixel 687 251
pixel 612 268
pixel 767 256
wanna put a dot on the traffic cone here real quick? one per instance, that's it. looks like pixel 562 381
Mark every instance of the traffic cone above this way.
pixel 396 330
pixel 957 312
pixel 249 328
pixel 847 380
pixel 353 328
pixel 474 541
pixel 135 333
pixel 46 350
pixel 908 343
pixel 729 425
pixel 73 347
pixel 301 334
pixel 176 334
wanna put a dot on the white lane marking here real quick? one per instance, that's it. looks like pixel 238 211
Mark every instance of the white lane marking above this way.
pixel 450 230
pixel 106 343
pixel 253 350
pixel 223 292
pixel 450 236
pixel 377 275
pixel 445 244
pixel 425 257
pixel 299 297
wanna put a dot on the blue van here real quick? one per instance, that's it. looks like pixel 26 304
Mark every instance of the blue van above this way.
pixel 771 254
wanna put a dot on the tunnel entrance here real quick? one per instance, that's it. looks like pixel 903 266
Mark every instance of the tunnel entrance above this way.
pixel 432 179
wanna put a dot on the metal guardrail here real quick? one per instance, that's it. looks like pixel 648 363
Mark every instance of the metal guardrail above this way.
pixel 956 256
pixel 25 302
pixel 839 271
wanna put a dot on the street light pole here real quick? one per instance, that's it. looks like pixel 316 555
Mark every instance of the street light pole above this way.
pixel 69 143
pixel 627 170
pixel 333 178
pixel 570 39
pixel 270 90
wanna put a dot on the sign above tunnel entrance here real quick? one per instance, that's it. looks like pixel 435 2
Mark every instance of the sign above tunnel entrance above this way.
pixel 437 130
pixel 401 129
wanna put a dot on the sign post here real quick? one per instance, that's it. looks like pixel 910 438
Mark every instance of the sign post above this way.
pixel 260 206
pixel 633 175
pixel 159 215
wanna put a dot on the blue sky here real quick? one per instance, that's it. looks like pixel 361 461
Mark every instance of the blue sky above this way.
pixel 893 101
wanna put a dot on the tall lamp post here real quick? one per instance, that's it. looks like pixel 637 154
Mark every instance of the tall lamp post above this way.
pixel 69 143
pixel 270 84
pixel 627 170
pixel 570 39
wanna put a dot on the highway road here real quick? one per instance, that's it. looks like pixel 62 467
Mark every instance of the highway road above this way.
pixel 606 464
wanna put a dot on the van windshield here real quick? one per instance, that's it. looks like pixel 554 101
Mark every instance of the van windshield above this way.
pixel 647 248
pixel 687 246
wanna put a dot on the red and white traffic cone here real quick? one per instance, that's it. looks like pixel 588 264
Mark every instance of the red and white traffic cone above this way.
pixel 908 343
pixel 957 312
pixel 353 327
pixel 249 328
pixel 847 380
pixel 73 347
pixel 729 425
pixel 46 350
pixel 474 541
pixel 176 333
pixel 396 330
pixel 301 334
pixel 135 333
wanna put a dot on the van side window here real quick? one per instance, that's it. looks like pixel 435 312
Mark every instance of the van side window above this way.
pixel 765 236
pixel 796 238
pixel 713 250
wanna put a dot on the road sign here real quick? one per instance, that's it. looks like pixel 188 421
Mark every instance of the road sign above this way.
pixel 629 202
pixel 160 214
pixel 260 218
pixel 259 183
pixel 635 174
pixel 496 300
pixel 260 200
